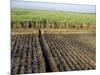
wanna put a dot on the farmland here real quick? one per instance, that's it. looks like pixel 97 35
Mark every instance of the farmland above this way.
pixel 52 41
pixel 26 55
pixel 52 52
pixel 22 18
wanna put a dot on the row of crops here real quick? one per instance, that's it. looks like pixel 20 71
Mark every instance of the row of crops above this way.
pixel 39 53
pixel 68 55
pixel 26 55
pixel 22 18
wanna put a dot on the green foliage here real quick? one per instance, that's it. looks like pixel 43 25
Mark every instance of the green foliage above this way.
pixel 44 17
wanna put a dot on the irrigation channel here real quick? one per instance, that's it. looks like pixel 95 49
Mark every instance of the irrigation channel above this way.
pixel 46 52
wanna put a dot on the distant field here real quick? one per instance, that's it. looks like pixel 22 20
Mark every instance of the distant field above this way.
pixel 22 18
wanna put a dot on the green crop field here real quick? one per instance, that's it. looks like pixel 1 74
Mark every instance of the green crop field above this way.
pixel 54 19
pixel 45 41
